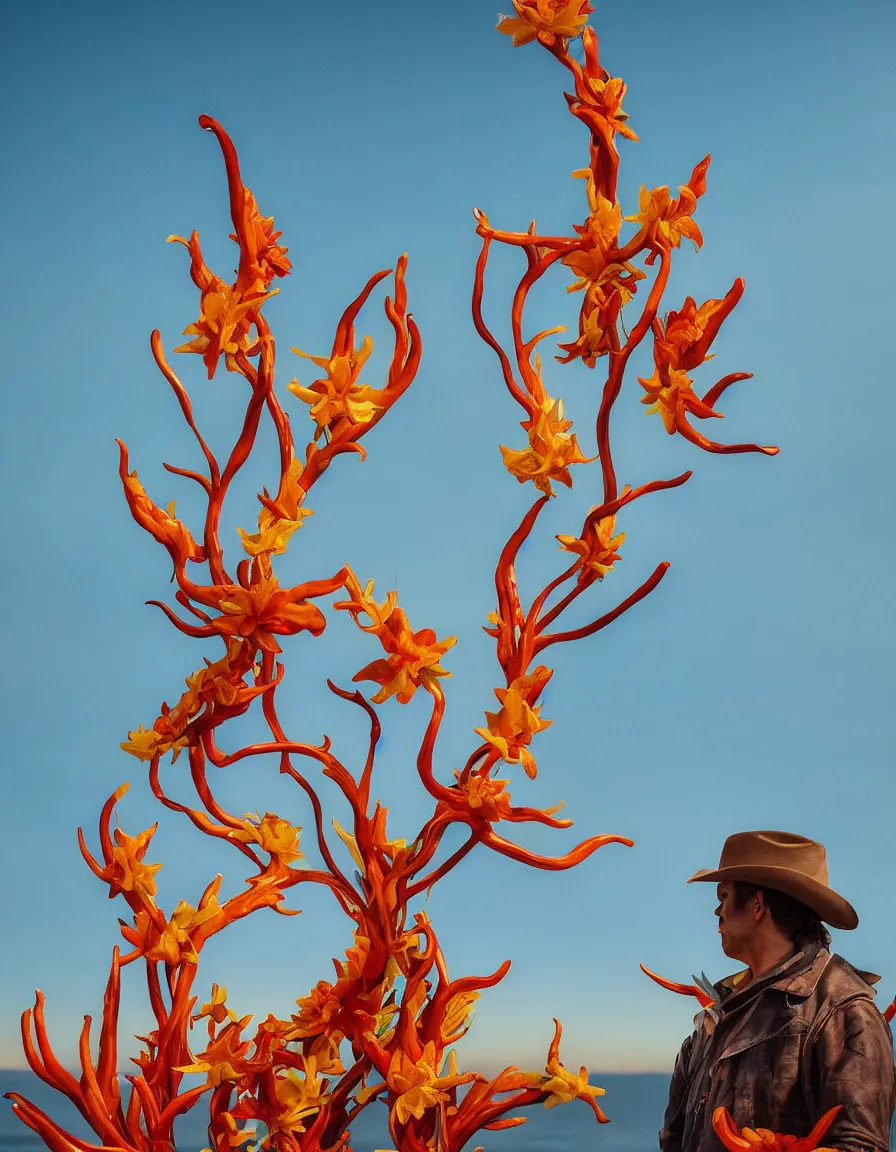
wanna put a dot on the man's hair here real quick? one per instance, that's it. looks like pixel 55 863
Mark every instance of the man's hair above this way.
pixel 794 919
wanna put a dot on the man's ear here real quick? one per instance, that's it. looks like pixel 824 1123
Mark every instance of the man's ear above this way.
pixel 760 908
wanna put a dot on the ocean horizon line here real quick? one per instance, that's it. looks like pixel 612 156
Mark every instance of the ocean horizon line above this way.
pixel 493 1071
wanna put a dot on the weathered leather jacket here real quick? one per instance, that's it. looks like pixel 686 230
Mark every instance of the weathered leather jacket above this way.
pixel 781 1052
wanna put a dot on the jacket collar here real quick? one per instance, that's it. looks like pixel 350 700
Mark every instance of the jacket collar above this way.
pixel 798 975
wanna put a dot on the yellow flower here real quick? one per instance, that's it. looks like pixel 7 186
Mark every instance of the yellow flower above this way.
pixel 273 834
pixel 146 743
pixel 317 1010
pixel 325 1050
pixel 413 657
pixel 127 872
pixel 545 20
pixel 220 683
pixel 339 395
pixel 216 1009
pixel 607 97
pixel 298 1096
pixel 601 228
pixel 175 943
pixel 273 532
pixel 224 1059
pixel 512 729
pixel 458 1016
pixel 232 1136
pixel 264 610
pixel 416 1084
pixel 599 547
pixel 223 325
pixel 487 797
pixel 550 453
pixel 561 1085
pixel 270 258
pixel 669 392
pixel 666 221
pixel 279 518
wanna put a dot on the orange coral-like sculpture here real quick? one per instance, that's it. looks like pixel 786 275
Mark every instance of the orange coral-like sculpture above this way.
pixel 762 1140
pixel 384 1028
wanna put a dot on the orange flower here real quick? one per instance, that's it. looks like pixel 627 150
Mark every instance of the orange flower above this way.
pixel 270 258
pixel 216 1009
pixel 225 318
pixel 487 797
pixel 273 834
pixel 325 1050
pixel 598 318
pixel 217 686
pixel 224 1059
pixel 665 221
pixel 593 263
pixel 413 658
pixel 317 1011
pixel 279 518
pixel 759 1139
pixel 230 1136
pixel 669 392
pixel 227 311
pixel 298 1096
pixel 352 968
pixel 682 343
pixel 512 729
pixel 562 1086
pixel 147 743
pixel 597 272
pixel 598 548
pixel 273 533
pixel 684 339
pixel 601 228
pixel 417 1084
pixel 127 872
pixel 545 20
pixel 338 394
pixel 607 94
pixel 163 526
pixel 458 1016
pixel 264 609
pixel 176 942
pixel 550 453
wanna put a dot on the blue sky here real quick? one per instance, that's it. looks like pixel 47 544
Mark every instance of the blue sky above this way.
pixel 753 689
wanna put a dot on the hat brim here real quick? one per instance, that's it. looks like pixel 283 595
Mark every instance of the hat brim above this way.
pixel 824 901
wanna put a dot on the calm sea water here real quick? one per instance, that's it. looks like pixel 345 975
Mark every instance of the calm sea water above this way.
pixel 635 1104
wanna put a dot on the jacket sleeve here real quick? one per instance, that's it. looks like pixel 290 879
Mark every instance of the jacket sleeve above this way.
pixel 852 1065
pixel 673 1122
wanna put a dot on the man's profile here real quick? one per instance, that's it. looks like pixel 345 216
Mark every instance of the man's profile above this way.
pixel 797 1031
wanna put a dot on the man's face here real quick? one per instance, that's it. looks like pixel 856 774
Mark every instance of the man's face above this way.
pixel 737 926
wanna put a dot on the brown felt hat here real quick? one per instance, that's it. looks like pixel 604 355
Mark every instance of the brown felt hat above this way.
pixel 788 863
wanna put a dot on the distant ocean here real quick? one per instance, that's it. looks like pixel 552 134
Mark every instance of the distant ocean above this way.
pixel 634 1103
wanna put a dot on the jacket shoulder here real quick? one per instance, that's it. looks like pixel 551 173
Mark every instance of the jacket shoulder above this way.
pixel 841 981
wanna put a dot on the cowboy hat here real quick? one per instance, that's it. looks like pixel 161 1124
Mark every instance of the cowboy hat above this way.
pixel 787 863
